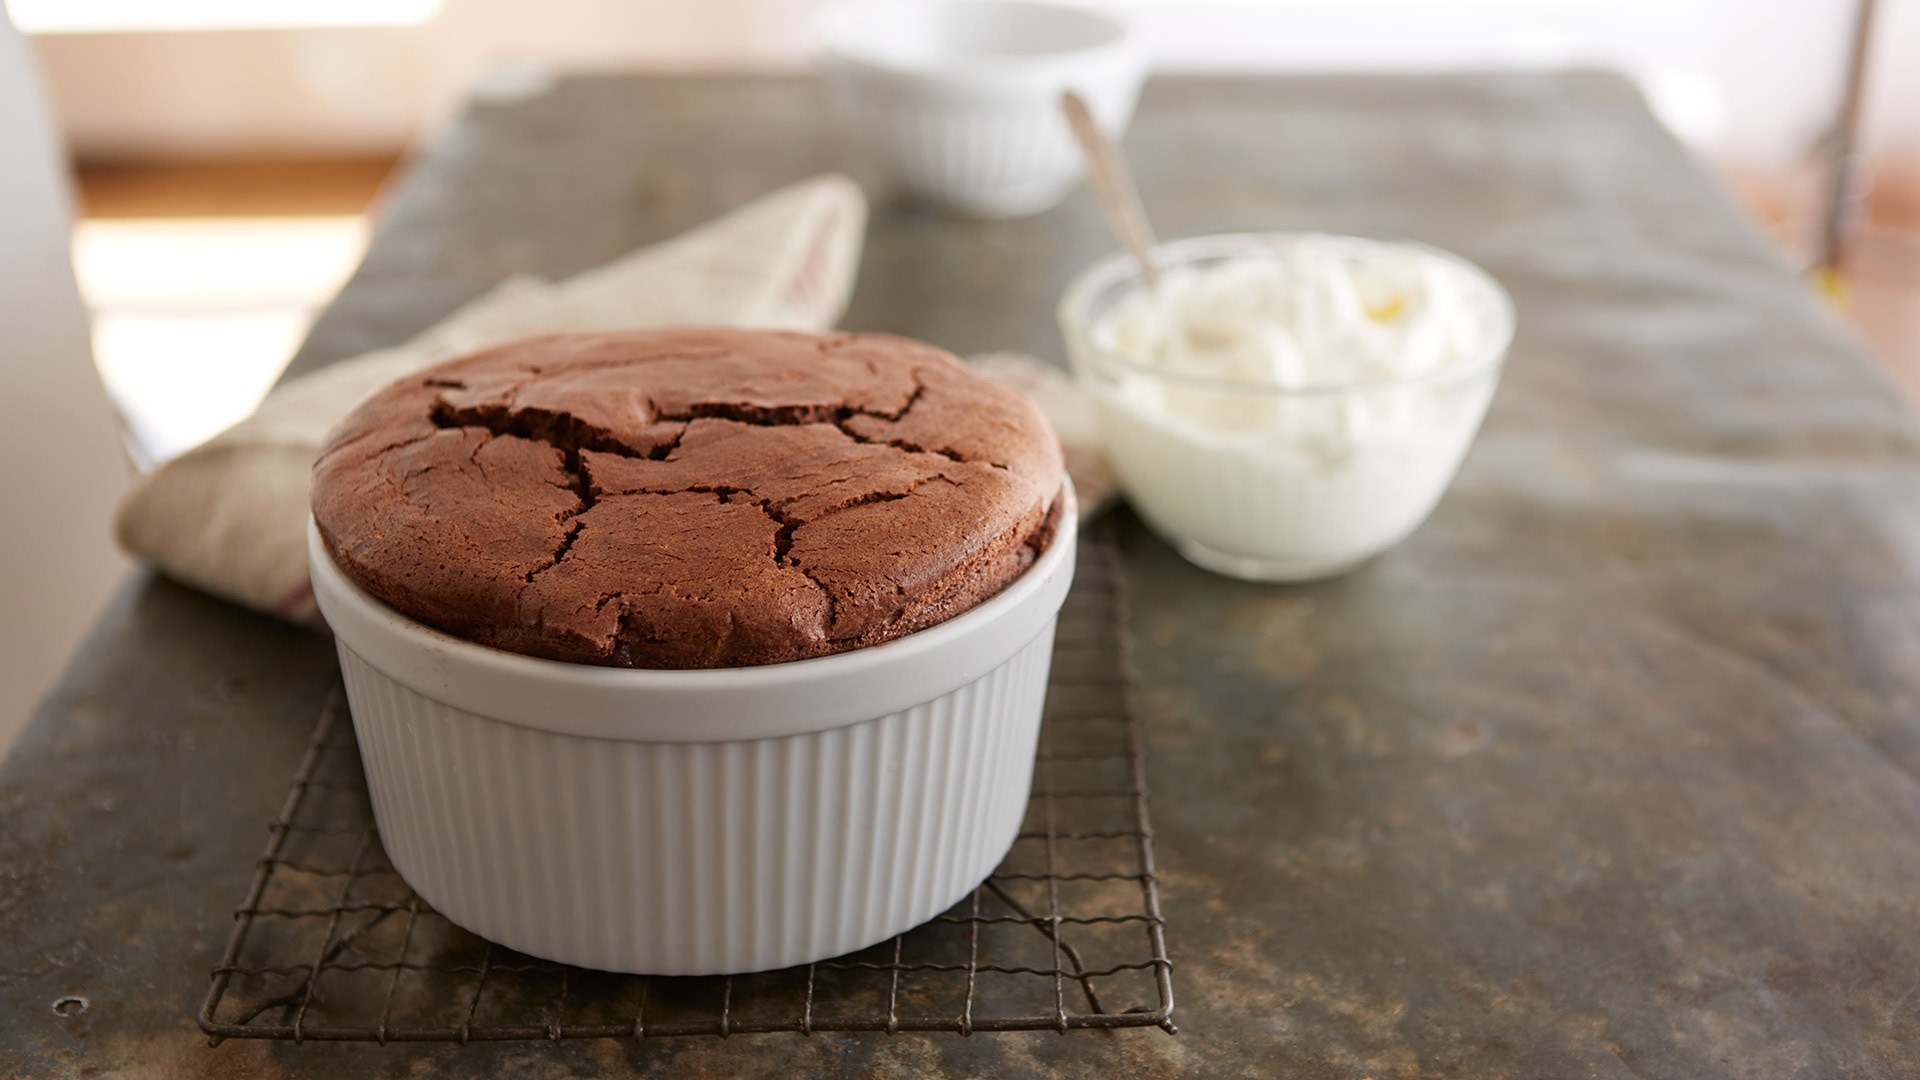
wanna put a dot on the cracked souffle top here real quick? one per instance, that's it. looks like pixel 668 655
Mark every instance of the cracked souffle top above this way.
pixel 689 498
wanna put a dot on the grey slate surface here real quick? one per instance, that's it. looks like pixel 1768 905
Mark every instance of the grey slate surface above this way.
pixel 1609 771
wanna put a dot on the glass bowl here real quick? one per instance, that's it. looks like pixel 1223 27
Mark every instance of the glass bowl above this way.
pixel 1271 482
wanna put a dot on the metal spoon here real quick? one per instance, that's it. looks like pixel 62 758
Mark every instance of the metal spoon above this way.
pixel 1114 184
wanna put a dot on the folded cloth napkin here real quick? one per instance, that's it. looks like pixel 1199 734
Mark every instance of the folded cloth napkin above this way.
pixel 230 516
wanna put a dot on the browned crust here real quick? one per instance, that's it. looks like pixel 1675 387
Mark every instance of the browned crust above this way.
pixel 691 497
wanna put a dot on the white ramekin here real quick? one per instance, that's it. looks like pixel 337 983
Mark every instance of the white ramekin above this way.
pixel 699 822
pixel 960 99
pixel 1303 482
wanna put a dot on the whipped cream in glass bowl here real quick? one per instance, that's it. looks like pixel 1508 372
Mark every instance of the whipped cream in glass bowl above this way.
pixel 1287 405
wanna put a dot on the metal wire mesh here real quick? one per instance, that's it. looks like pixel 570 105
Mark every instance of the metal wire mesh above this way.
pixel 331 944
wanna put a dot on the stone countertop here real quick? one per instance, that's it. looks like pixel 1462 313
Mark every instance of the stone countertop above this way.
pixel 1610 770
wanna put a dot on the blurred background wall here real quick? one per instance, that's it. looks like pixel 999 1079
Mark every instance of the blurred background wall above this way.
pixel 1750 82
pixel 61 468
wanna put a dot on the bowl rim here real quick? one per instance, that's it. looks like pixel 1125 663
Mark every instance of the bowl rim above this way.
pixel 1075 326
pixel 708 705
pixel 833 43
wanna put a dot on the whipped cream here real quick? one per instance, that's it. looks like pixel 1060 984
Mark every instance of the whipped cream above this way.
pixel 1287 406
pixel 1321 311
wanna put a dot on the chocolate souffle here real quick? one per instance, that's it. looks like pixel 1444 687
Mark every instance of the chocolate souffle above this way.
pixel 689 498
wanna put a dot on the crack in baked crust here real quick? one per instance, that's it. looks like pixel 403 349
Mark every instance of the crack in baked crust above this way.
pixel 788 524
pixel 567 433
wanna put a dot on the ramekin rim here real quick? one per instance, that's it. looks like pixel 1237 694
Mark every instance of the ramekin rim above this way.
pixel 675 694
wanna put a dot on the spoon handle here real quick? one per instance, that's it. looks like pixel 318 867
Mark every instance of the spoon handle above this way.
pixel 1113 183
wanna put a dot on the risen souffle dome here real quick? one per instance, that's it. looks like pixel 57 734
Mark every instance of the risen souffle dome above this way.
pixel 689 498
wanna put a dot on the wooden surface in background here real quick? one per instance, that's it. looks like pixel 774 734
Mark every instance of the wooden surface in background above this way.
pixel 267 187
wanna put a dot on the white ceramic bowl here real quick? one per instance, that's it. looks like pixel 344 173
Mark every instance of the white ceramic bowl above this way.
pixel 960 99
pixel 699 822
pixel 1270 483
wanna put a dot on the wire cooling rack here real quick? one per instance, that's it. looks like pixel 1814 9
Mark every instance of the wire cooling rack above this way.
pixel 331 944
